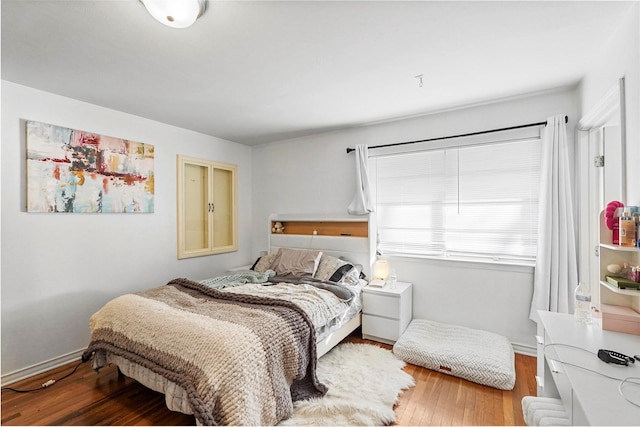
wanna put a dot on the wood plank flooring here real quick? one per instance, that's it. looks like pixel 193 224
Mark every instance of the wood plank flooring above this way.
pixel 87 398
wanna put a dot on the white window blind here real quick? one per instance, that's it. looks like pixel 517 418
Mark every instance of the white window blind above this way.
pixel 466 201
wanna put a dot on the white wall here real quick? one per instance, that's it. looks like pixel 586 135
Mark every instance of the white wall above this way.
pixel 58 269
pixel 315 175
pixel 621 58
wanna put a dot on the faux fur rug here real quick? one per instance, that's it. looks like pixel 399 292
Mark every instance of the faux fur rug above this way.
pixel 364 383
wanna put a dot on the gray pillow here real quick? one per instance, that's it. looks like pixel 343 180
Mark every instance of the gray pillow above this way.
pixel 296 262
pixel 263 263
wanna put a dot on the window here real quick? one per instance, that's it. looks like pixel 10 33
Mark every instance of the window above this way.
pixel 473 200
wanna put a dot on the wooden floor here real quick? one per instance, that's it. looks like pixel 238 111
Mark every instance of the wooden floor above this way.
pixel 87 398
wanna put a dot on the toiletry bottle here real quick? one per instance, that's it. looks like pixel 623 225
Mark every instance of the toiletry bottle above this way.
pixel 582 309
pixel 627 229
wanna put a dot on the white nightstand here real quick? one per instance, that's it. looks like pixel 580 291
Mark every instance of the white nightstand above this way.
pixel 386 312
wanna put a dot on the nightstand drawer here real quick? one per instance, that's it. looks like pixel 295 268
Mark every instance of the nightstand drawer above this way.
pixel 381 305
pixel 380 327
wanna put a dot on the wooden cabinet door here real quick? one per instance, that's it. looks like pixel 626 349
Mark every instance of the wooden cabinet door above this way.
pixel 206 207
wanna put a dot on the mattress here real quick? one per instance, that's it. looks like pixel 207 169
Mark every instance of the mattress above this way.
pixel 353 309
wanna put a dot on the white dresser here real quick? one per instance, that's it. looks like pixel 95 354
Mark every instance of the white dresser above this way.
pixel 386 312
pixel 568 368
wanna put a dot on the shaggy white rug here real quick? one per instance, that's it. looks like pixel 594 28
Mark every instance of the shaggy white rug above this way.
pixel 364 382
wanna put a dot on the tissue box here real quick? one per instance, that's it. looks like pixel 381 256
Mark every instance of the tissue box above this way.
pixel 620 319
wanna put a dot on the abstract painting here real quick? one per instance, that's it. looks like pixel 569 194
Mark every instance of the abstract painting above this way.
pixel 71 170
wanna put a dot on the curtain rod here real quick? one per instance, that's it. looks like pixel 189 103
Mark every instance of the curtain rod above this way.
pixel 566 119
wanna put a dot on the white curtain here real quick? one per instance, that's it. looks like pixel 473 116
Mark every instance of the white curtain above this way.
pixel 362 203
pixel 556 273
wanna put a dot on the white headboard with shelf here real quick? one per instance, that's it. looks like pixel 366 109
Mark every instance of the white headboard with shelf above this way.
pixel 333 236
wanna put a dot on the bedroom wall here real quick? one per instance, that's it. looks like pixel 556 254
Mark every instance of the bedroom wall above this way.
pixel 58 269
pixel 314 175
pixel 621 58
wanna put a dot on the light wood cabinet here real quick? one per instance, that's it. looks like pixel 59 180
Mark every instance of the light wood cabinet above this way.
pixel 207 207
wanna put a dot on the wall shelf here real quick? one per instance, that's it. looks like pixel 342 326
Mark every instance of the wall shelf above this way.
pixel 306 225
pixel 616 254
pixel 620 248
pixel 630 292
pixel 326 228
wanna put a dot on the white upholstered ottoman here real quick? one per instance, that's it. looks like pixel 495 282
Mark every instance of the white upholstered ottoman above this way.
pixel 475 355
pixel 544 411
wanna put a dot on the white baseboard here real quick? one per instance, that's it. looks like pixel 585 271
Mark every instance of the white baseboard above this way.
pixel 525 349
pixel 41 367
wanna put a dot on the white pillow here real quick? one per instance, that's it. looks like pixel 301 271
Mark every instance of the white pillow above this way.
pixel 328 265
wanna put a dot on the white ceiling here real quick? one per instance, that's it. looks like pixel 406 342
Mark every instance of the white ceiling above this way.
pixel 260 71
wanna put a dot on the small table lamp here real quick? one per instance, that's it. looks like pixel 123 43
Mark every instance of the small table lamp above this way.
pixel 381 269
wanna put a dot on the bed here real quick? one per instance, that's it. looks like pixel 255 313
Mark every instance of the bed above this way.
pixel 240 348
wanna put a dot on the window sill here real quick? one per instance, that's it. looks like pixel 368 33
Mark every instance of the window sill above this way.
pixel 528 266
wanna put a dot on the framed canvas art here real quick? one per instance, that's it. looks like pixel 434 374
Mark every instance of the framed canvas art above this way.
pixel 71 170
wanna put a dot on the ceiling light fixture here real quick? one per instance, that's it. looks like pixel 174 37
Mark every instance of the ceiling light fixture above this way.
pixel 419 76
pixel 175 13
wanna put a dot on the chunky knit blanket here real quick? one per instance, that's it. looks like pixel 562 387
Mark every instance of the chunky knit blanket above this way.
pixel 242 359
